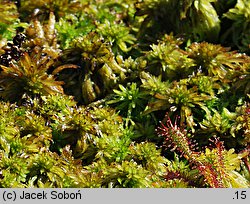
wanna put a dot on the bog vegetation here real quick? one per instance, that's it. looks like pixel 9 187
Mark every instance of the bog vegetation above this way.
pixel 125 93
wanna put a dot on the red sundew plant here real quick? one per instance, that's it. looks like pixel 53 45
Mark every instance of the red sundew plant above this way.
pixel 216 165
pixel 211 176
pixel 176 137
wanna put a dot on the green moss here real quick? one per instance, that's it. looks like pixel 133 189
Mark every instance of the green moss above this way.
pixel 83 92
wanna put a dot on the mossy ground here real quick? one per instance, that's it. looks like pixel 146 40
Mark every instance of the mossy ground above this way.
pixel 129 94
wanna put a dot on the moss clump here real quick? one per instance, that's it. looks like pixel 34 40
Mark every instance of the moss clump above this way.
pixel 84 84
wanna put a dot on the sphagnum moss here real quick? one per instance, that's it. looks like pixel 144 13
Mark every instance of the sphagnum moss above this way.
pixel 84 84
